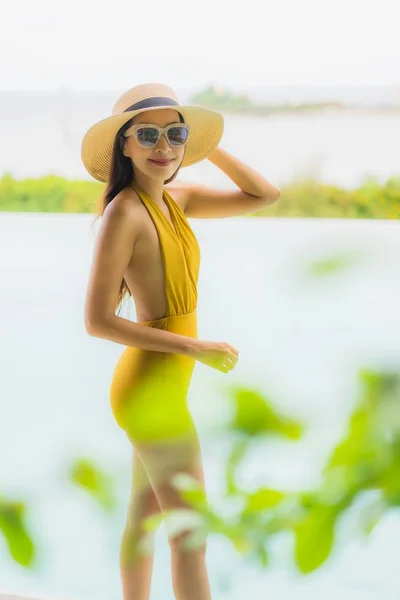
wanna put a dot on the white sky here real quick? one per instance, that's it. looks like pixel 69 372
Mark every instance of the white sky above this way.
pixel 98 45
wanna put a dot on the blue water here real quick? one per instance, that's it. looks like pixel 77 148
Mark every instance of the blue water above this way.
pixel 301 340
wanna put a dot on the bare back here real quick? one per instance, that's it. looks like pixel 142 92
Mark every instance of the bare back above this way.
pixel 145 273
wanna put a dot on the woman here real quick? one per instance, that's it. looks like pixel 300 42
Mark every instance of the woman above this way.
pixel 146 248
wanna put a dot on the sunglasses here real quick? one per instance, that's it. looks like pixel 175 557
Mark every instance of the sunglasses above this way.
pixel 147 136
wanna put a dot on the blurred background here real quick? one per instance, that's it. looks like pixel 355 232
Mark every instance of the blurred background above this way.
pixel 306 289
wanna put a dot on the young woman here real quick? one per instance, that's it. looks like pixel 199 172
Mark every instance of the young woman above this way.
pixel 147 249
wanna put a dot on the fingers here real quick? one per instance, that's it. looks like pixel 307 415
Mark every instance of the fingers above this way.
pixel 234 355
pixel 225 357
pixel 230 360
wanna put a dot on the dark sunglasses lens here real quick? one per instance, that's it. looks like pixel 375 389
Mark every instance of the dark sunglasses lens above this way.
pixel 147 136
pixel 177 136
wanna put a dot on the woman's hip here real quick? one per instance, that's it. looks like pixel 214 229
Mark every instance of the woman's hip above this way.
pixel 149 391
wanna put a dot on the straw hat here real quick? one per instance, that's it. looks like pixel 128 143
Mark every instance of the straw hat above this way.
pixel 206 127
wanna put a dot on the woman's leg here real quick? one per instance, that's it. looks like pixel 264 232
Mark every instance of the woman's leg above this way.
pixel 135 566
pixel 162 460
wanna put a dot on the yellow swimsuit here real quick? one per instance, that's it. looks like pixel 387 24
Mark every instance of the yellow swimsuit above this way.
pixel 148 392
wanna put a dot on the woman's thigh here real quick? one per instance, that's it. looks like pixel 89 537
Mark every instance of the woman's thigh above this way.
pixel 164 459
pixel 143 500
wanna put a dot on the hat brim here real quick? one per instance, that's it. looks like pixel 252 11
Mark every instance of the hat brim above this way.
pixel 206 129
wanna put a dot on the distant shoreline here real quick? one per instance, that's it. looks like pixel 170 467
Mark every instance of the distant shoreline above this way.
pixel 223 100
pixel 65 103
pixel 321 111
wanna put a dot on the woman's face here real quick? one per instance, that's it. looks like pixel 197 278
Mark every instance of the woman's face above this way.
pixel 142 157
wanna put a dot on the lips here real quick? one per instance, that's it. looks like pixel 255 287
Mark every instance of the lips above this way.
pixel 161 162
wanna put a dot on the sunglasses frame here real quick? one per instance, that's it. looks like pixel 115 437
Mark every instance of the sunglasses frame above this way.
pixel 161 130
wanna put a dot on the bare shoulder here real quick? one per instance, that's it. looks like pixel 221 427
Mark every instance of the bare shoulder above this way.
pixel 125 203
pixel 123 214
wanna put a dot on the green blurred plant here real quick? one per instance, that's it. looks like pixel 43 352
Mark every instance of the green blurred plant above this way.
pixel 307 197
pixel 15 531
pixel 48 194
pixel 97 484
pixel 303 197
pixel 366 459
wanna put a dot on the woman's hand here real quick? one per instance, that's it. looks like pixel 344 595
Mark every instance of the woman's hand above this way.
pixel 218 355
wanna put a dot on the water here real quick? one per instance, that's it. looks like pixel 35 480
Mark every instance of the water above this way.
pixel 301 342
pixel 341 149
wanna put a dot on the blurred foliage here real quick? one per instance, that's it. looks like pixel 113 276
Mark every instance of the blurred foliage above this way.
pixel 94 481
pixel 307 197
pixel 303 197
pixel 333 264
pixel 14 528
pixel 366 459
pixel 254 415
pixel 48 194
pixel 222 99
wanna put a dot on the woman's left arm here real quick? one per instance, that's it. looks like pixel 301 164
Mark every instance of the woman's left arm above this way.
pixel 246 178
pixel 205 202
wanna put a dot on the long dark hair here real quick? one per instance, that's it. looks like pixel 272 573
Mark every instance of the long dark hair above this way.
pixel 121 176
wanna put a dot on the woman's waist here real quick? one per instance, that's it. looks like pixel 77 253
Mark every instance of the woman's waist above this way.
pixel 183 324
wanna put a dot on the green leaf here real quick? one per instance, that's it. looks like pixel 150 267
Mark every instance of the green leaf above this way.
pixel 389 481
pixel 348 452
pixel 262 556
pixel 254 416
pixel 190 490
pixel 314 538
pixel 13 528
pixel 236 456
pixel 262 499
pixel 153 522
pixel 85 474
pixel 331 265
pixel 241 544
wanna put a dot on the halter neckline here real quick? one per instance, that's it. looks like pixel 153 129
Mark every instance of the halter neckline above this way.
pixel 167 201
pixel 180 252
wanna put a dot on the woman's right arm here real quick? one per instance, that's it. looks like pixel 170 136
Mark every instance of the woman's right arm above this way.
pixel 113 250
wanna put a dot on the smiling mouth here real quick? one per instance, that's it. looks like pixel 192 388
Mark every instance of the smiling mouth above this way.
pixel 162 162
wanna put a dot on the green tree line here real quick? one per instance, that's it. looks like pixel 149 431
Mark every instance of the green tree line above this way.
pixel 303 197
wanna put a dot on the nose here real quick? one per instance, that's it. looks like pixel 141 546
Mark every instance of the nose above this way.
pixel 162 144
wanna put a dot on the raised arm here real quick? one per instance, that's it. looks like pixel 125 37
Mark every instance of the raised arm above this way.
pixel 113 251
